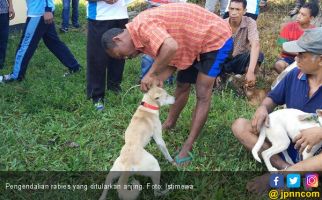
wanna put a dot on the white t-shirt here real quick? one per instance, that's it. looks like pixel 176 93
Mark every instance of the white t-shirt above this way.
pixel 103 11
pixel 252 6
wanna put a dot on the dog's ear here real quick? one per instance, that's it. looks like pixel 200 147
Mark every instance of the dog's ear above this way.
pixel 319 112
pixel 305 117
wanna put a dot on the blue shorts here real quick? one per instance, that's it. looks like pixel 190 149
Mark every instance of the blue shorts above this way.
pixel 294 154
pixel 210 63
pixel 288 60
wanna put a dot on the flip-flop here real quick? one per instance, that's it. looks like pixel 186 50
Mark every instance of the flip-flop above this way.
pixel 184 160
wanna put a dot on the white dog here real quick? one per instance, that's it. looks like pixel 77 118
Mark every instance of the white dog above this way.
pixel 285 125
pixel 134 159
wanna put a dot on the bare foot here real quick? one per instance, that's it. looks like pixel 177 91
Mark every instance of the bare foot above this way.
pixel 259 185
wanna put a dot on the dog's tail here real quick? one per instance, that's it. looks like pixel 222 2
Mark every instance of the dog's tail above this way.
pixel 259 144
pixel 123 191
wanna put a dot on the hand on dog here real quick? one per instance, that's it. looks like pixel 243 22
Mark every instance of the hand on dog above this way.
pixel 308 138
pixel 250 79
pixel 148 81
pixel 260 117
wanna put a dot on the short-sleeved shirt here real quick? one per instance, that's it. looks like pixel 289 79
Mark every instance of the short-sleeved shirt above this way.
pixel 290 32
pixel 293 91
pixel 4 7
pixel 195 29
pixel 244 35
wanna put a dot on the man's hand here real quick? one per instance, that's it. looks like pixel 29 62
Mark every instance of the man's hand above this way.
pixel 48 17
pixel 110 1
pixel 250 79
pixel 260 117
pixel 11 13
pixel 148 80
pixel 308 138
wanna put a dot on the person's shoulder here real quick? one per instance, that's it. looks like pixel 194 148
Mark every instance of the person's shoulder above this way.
pixel 249 21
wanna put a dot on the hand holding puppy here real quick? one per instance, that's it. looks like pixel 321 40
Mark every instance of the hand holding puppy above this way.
pixel 149 80
pixel 260 117
pixel 308 138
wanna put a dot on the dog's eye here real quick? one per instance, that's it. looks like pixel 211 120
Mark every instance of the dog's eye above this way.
pixel 156 98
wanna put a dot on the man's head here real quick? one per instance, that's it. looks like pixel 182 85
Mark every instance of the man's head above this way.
pixel 237 8
pixel 118 44
pixel 309 49
pixel 307 13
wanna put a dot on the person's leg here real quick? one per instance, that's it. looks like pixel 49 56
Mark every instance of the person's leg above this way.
pixel 4 33
pixel 181 98
pixel 204 86
pixel 65 15
pixel 210 5
pixel 96 60
pixel 146 63
pixel 280 65
pixel 223 6
pixel 75 5
pixel 59 49
pixel 241 129
pixel 184 80
pixel 33 31
pixel 115 66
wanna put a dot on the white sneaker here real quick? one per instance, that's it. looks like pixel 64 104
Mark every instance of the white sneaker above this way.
pixel 6 78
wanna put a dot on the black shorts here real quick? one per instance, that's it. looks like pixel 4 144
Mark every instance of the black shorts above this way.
pixel 209 64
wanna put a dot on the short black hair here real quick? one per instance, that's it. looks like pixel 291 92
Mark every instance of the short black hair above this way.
pixel 313 7
pixel 244 2
pixel 107 38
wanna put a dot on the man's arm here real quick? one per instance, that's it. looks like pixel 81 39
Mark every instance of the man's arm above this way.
pixel 160 68
pixel 11 10
pixel 261 115
pixel 254 53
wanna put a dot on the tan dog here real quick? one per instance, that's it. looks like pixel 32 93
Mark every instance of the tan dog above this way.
pixel 254 95
pixel 134 159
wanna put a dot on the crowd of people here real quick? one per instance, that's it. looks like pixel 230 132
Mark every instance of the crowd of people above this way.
pixel 192 41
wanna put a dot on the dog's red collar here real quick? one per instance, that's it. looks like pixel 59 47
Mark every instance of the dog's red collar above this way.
pixel 149 106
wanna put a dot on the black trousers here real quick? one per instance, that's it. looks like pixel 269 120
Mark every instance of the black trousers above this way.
pixel 4 33
pixel 99 64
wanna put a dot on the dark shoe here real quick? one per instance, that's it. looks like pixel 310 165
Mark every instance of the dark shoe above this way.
pixel 76 26
pixel 6 78
pixel 294 11
pixel 72 71
pixel 63 30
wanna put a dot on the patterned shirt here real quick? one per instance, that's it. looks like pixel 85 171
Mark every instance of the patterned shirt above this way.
pixel 243 36
pixel 4 6
pixel 290 32
pixel 195 29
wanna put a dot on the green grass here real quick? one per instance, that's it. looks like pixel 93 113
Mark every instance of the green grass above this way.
pixel 39 115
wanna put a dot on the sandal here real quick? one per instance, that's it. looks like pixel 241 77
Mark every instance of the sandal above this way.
pixel 262 3
pixel 184 160
pixel 294 11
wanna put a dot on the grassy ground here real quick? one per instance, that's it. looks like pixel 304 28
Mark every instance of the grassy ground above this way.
pixel 45 112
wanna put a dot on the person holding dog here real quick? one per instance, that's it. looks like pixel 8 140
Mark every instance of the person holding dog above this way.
pixel 183 37
pixel 300 89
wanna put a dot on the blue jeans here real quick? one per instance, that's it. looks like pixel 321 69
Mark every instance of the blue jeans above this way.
pixel 4 33
pixel 65 13
pixel 146 64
